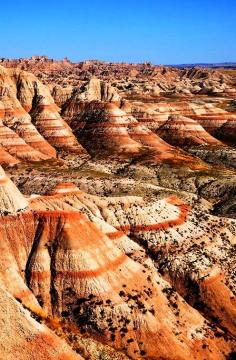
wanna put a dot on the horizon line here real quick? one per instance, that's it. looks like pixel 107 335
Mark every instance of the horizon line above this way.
pixel 66 58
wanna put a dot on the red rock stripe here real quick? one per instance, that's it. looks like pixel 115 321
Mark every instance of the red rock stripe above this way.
pixel 183 208
pixel 15 111
pixel 214 117
pixel 53 214
pixel 115 235
pixel 81 274
pixel 49 107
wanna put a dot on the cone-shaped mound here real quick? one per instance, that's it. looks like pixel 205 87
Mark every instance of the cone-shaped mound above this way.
pixel 11 200
pixel 180 130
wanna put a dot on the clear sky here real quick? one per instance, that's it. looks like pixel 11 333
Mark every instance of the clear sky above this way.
pixel 160 31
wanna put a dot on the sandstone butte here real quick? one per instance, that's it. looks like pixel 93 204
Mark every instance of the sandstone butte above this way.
pixel 113 184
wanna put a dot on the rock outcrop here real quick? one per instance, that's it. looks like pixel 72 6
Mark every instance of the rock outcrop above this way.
pixel 18 135
pixel 37 100
pixel 182 131
pixel 105 129
pixel 31 126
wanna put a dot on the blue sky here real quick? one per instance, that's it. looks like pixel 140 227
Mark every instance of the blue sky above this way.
pixel 160 31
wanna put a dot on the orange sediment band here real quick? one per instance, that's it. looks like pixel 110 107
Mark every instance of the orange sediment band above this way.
pixel 55 214
pixel 81 274
pixel 164 225
pixel 3 180
pixel 115 235
pixel 49 107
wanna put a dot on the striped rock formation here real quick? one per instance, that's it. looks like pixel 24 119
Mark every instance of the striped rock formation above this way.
pixel 210 117
pixel 6 158
pixel 12 115
pixel 217 122
pixel 199 123
pixel 12 143
pixel 37 100
pixel 18 238
pixel 31 125
pixel 183 131
pixel 116 217
pixel 134 79
pixel 200 266
pixel 152 276
pixel 105 129
pixel 70 257
pixel 93 90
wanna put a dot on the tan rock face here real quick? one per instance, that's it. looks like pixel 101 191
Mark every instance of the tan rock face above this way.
pixel 31 127
pixel 61 94
pixel 36 98
pixel 18 135
pixel 11 200
pixel 98 90
pixel 179 130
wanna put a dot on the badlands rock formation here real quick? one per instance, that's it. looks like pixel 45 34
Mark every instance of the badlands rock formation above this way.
pixel 142 79
pixel 77 263
pixel 31 127
pixel 117 207
pixel 182 131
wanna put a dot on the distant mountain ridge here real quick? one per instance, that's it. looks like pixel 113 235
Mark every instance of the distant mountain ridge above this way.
pixel 229 65
pixel 66 60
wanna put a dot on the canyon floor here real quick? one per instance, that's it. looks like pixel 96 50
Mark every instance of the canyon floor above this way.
pixel 117 211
